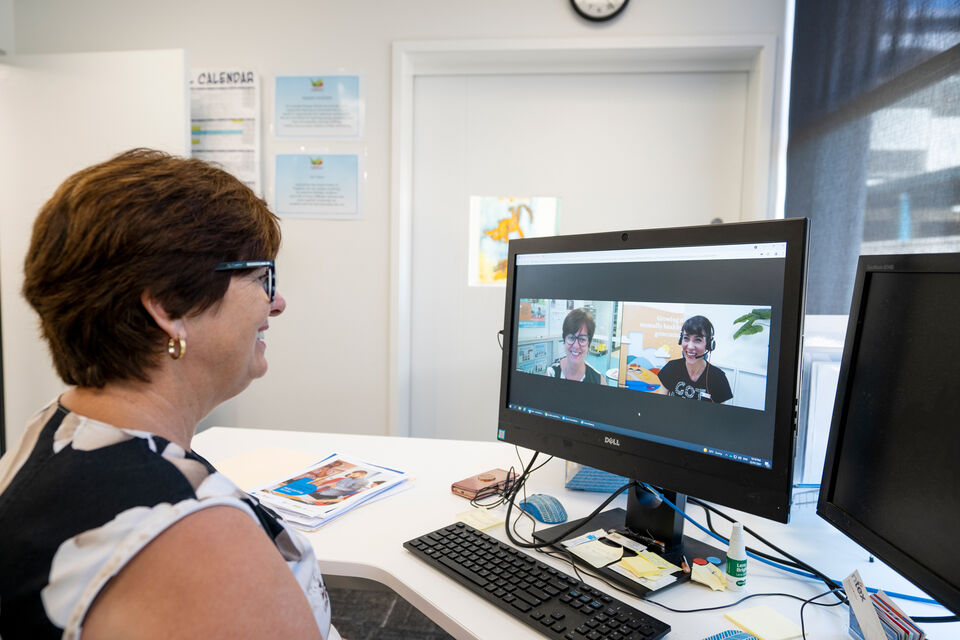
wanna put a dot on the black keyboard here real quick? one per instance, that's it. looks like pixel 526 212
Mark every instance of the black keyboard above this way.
pixel 550 601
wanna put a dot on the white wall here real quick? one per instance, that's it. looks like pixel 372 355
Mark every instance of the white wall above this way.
pixel 6 26
pixel 329 352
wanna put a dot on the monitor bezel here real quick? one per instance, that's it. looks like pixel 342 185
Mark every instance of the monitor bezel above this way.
pixel 834 513
pixel 764 492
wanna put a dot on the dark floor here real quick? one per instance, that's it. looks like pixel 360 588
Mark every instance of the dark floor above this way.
pixel 367 610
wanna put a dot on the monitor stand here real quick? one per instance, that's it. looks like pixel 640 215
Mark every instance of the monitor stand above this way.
pixel 642 521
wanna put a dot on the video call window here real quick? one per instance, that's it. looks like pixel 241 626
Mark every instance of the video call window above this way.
pixel 642 346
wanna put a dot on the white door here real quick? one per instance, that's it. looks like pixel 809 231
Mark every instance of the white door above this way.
pixel 58 114
pixel 621 151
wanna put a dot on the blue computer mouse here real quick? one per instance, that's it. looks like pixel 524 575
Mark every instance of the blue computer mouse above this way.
pixel 544 508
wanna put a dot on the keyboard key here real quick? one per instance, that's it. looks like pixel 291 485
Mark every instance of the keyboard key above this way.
pixel 520 604
pixel 463 571
pixel 537 593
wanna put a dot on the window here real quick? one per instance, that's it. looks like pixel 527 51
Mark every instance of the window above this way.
pixel 874 150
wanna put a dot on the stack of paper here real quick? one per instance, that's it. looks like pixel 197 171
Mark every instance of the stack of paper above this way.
pixel 625 556
pixel 327 489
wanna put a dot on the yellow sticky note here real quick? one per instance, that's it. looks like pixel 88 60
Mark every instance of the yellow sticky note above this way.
pixel 660 562
pixel 709 575
pixel 480 519
pixel 764 623
pixel 597 553
pixel 640 567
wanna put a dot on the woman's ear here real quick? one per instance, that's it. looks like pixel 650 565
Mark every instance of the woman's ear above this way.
pixel 173 327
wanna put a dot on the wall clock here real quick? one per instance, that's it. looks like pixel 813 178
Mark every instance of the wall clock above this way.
pixel 599 10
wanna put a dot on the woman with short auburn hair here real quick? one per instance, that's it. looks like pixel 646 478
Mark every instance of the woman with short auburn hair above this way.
pixel 154 280
pixel 577 334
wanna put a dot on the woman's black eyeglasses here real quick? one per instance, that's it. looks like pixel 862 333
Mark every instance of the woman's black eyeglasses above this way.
pixel 269 283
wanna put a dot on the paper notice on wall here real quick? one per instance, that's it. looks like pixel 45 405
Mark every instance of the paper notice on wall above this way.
pixel 322 105
pixel 318 185
pixel 225 121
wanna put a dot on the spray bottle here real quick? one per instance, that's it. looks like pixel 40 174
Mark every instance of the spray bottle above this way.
pixel 736 560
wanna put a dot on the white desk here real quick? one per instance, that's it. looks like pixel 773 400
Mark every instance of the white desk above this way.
pixel 367 542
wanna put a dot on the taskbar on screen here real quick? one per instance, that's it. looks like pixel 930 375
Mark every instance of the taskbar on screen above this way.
pixel 591 424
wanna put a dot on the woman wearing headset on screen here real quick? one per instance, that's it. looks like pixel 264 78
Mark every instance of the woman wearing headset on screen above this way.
pixel 578 328
pixel 692 376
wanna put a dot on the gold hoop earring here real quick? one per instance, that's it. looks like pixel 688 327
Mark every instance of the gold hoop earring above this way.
pixel 175 353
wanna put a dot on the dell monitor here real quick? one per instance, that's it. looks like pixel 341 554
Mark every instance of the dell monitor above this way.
pixel 891 477
pixel 668 356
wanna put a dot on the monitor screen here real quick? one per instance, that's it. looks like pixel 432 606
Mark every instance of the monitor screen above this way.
pixel 891 474
pixel 665 355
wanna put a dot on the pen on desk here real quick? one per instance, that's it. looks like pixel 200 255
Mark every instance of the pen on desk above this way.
pixel 686 567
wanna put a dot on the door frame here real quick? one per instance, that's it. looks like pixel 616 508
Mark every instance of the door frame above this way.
pixel 755 54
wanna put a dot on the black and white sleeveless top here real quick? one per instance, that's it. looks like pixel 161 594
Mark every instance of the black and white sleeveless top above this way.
pixel 589 375
pixel 80 498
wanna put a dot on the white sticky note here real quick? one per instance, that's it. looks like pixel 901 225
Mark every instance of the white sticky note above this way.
pixel 597 553
pixel 587 537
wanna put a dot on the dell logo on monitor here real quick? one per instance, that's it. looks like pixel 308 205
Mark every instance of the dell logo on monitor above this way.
pixel 614 441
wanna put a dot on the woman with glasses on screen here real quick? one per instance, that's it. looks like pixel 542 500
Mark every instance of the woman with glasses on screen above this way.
pixel 578 328
pixel 154 280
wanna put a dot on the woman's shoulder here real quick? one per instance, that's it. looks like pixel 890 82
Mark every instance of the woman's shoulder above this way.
pixel 590 367
pixel 103 494
pixel 593 375
pixel 239 585
pixel 94 467
pixel 671 365
pixel 717 371
pixel 555 369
